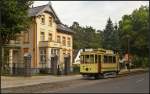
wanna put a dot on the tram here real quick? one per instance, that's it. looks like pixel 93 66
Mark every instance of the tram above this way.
pixel 99 63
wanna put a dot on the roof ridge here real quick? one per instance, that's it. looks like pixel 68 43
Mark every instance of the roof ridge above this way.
pixel 38 6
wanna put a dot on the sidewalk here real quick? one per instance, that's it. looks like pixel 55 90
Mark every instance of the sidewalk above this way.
pixel 123 71
pixel 8 81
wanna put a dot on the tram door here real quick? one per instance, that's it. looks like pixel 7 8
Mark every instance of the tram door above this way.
pixel 99 63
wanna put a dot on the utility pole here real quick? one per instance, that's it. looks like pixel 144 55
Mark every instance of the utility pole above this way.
pixel 149 42
pixel 128 53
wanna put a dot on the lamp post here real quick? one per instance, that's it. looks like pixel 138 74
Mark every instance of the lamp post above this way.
pixel 128 51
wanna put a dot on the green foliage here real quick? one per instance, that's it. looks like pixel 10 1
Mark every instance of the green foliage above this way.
pixel 110 36
pixel 135 27
pixel 140 61
pixel 14 18
pixel 76 68
pixel 85 37
pixel 44 70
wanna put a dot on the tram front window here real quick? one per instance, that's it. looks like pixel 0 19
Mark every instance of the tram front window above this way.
pixel 91 58
pixel 82 59
pixel 87 59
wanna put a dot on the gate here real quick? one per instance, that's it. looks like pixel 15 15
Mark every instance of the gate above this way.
pixel 54 61
pixel 67 65
pixel 22 69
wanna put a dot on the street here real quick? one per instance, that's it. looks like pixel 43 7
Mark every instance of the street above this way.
pixel 128 84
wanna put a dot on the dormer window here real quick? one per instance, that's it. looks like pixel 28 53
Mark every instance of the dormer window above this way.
pixel 43 19
pixel 50 21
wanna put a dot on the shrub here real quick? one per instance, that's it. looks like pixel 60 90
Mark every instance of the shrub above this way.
pixel 76 68
pixel 44 70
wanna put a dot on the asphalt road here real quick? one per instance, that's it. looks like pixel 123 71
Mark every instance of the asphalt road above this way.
pixel 129 84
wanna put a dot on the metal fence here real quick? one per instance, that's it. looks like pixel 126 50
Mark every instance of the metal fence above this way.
pixel 18 67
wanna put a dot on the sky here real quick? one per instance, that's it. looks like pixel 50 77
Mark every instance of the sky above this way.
pixel 92 13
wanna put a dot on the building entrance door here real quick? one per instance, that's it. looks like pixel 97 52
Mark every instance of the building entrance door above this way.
pixel 67 64
pixel 54 62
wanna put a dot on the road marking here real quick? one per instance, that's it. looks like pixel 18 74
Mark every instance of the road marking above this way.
pixel 130 77
pixel 139 80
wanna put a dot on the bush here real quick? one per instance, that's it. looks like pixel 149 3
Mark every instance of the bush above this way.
pixel 44 70
pixel 140 62
pixel 145 62
pixel 76 68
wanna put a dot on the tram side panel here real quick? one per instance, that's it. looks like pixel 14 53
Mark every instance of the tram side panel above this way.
pixel 109 66
pixel 88 68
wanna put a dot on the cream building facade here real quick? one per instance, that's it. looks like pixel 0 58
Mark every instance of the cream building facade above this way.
pixel 46 38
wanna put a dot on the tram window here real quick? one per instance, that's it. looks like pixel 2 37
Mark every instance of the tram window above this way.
pixel 87 59
pixel 99 59
pixel 105 59
pixel 81 59
pixel 91 58
pixel 114 59
pixel 110 59
pixel 96 61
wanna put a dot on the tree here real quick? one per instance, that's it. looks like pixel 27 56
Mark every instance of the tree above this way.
pixel 85 37
pixel 135 27
pixel 14 19
pixel 78 36
pixel 108 35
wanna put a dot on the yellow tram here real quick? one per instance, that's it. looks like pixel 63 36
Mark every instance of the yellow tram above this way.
pixel 99 63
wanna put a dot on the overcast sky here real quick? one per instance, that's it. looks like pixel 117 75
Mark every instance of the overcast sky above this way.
pixel 92 13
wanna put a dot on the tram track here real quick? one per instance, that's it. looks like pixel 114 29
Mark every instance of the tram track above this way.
pixel 52 87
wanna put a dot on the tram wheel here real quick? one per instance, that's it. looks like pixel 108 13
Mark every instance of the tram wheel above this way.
pixel 96 76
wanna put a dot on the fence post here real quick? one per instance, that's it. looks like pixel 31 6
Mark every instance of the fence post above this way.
pixel 11 60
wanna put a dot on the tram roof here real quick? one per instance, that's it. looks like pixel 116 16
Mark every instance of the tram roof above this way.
pixel 98 51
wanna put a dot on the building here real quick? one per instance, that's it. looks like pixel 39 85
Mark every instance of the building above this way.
pixel 47 37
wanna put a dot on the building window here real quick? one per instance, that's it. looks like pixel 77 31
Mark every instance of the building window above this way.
pixel 64 51
pixel 25 50
pixel 58 39
pixel 43 19
pixel 68 42
pixel 42 36
pixel 64 41
pixel 50 37
pixel 50 21
pixel 26 37
pixel 54 51
pixel 43 55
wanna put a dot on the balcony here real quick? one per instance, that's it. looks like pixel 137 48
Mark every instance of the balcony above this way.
pixel 14 43
pixel 49 44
